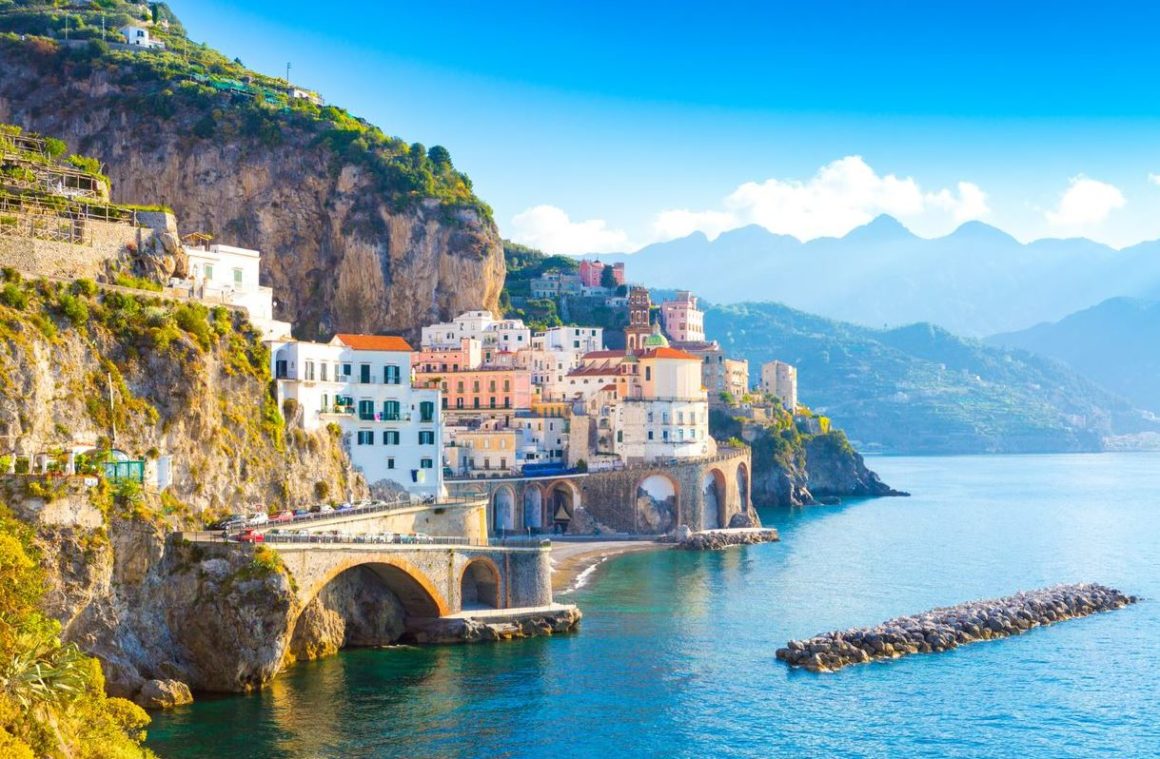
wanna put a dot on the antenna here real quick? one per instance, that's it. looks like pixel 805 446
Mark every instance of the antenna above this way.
pixel 287 72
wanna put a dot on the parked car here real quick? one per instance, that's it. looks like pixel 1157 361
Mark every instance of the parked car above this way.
pixel 251 536
pixel 228 523
pixel 345 507
pixel 301 512
pixel 325 508
pixel 283 516
pixel 258 519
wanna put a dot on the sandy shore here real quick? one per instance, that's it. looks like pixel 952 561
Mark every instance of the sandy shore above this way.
pixel 574 563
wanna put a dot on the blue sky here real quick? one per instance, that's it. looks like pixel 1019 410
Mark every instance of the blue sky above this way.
pixel 606 126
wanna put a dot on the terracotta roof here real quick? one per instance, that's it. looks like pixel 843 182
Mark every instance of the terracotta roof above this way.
pixel 669 353
pixel 609 387
pixel 374 342
pixel 604 354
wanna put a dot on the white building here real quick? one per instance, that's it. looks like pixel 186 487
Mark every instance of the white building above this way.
pixel 582 339
pixel 556 352
pixel 228 275
pixel 493 334
pixel 138 36
pixel 779 379
pixel 362 383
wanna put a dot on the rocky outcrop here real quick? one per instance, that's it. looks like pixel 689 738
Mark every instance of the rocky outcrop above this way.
pixel 834 468
pixel 948 628
pixel 164 694
pixel 559 619
pixel 716 540
pixel 342 250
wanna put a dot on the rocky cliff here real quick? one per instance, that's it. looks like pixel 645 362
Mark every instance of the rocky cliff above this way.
pixel 795 469
pixel 88 367
pixel 359 232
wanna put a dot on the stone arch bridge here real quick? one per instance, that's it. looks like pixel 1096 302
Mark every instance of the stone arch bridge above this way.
pixel 429 580
pixel 650 499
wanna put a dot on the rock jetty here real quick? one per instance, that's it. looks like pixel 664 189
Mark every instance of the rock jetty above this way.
pixel 715 540
pixel 950 627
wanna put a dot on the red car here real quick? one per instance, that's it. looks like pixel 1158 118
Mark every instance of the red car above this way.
pixel 283 516
pixel 251 536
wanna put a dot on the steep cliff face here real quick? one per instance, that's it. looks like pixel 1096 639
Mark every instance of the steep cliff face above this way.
pixel 342 251
pixel 795 469
pixel 84 368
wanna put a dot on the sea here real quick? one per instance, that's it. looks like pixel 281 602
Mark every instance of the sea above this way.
pixel 675 655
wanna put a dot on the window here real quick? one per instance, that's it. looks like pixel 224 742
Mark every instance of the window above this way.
pixel 475 386
pixel 391 411
pixel 209 271
pixel 459 386
pixel 426 437
pixel 390 463
pixel 445 403
pixel 458 403
pixel 427 411
pixel 648 372
pixel 665 434
pixel 620 436
pixel 503 463
pixel 280 369
pixel 390 437
pixel 366 437
pixel 475 402
pixel 650 434
pixel 507 385
pixel 237 277
pixel 364 373
pixel 492 401
pixel 507 402
pixel 426 464
pixel 346 370
pixel 325 401
pixel 391 374
pixel 324 369
pixel 491 386
pixel 309 371
pixel 366 410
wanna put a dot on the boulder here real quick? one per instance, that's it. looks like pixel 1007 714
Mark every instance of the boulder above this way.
pixel 163 694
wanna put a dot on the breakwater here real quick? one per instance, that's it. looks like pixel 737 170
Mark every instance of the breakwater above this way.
pixel 950 627
pixel 716 540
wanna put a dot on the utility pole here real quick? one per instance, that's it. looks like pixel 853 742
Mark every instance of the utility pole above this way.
pixel 287 73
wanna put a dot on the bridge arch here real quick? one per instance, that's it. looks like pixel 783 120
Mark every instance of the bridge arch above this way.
pixel 715 508
pixel 563 498
pixel 480 585
pixel 533 512
pixel 416 592
pixel 503 508
pixel 657 502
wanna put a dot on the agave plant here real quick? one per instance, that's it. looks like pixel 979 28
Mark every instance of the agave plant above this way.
pixel 44 673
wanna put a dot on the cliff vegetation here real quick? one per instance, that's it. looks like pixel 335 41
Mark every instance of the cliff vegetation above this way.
pixel 361 231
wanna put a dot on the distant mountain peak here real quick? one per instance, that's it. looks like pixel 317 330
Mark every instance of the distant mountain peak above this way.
pixel 882 228
pixel 977 230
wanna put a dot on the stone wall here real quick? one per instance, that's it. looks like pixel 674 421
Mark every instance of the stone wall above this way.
pixel 464 520
pixel 107 245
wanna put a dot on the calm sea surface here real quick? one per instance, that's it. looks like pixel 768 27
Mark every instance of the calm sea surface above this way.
pixel 676 652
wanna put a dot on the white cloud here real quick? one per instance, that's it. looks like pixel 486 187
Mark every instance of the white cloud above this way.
pixel 1086 201
pixel 549 229
pixel 1154 179
pixel 842 195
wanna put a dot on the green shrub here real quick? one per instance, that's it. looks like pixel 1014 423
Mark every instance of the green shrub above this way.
pixel 54 147
pixel 74 309
pixel 13 296
pixel 85 287
pixel 192 317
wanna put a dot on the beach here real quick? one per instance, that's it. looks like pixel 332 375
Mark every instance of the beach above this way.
pixel 574 562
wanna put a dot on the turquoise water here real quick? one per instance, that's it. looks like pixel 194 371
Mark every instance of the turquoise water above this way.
pixel 676 653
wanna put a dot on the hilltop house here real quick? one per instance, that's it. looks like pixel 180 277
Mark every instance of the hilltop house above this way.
pixel 228 275
pixel 138 36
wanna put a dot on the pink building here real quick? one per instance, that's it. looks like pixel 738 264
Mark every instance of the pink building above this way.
pixel 683 321
pixel 481 388
pixel 469 355
pixel 592 273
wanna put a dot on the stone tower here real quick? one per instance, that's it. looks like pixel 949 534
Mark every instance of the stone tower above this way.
pixel 638 328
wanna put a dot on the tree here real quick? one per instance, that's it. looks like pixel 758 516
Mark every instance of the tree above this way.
pixel 439 156
pixel 608 278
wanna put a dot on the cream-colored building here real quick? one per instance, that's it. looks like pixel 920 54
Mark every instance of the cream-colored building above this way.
pixel 494 335
pixel 779 379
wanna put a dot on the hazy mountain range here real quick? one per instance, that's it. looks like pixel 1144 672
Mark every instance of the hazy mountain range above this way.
pixel 1115 343
pixel 920 389
pixel 976 281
